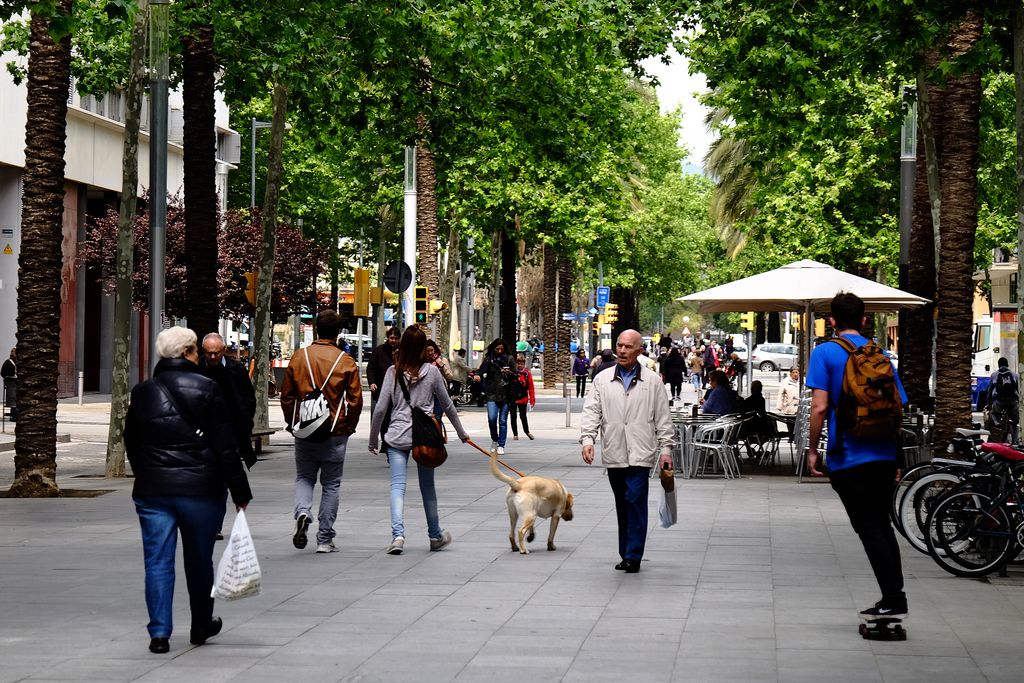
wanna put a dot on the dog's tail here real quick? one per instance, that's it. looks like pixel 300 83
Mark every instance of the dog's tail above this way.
pixel 498 474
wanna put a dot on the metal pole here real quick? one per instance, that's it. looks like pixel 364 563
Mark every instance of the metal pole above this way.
pixel 159 74
pixel 81 386
pixel 908 171
pixel 252 166
pixel 409 236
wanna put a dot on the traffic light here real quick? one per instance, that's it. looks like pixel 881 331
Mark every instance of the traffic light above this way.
pixel 796 321
pixel 250 288
pixel 747 321
pixel 361 293
pixel 422 305
pixel 611 312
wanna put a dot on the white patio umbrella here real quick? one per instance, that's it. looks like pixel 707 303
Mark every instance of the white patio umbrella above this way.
pixel 803 286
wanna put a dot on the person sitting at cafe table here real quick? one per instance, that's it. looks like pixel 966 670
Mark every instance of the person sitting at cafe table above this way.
pixel 720 399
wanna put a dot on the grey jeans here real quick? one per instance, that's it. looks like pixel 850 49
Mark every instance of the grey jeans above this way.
pixel 327 458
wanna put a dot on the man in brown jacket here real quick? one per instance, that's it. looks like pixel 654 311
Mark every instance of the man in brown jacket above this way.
pixel 315 366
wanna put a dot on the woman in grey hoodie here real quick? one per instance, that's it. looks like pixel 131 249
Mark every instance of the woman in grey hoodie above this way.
pixel 425 385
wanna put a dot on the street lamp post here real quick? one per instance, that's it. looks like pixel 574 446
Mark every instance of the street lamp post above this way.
pixel 158 74
pixel 252 157
pixel 908 171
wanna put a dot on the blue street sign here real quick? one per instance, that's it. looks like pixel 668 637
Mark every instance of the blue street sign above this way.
pixel 583 315
pixel 602 296
pixel 568 316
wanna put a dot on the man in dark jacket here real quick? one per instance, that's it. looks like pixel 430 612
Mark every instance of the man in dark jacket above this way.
pixel 382 358
pixel 237 389
pixel 183 455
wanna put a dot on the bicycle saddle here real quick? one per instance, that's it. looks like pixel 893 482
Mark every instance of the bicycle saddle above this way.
pixel 971 433
pixel 1003 450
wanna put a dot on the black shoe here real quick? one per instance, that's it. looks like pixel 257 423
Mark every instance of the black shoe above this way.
pixel 629 566
pixel 159 646
pixel 198 636
pixel 299 540
pixel 621 565
pixel 886 609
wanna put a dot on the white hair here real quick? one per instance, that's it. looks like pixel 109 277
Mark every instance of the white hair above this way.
pixel 174 342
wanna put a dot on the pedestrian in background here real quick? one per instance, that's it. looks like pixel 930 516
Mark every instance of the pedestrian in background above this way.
pixel 460 372
pixel 696 365
pixel 788 399
pixel 496 372
pixel 422 382
pixel 321 364
pixel 9 373
pixel 525 378
pixel 580 368
pixel 672 368
pixel 237 390
pixel 432 354
pixel 379 362
pixel 184 457
pixel 1003 401
pixel 629 408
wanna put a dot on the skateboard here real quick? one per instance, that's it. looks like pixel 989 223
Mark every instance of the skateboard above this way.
pixel 883 629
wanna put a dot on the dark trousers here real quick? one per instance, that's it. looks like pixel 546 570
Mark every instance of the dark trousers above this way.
pixel 630 486
pixel 197 518
pixel 866 492
pixel 676 385
pixel 519 408
pixel 581 385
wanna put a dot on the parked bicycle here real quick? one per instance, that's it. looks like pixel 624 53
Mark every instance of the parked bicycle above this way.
pixel 978 527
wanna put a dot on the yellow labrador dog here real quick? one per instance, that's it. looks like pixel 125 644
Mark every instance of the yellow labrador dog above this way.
pixel 530 498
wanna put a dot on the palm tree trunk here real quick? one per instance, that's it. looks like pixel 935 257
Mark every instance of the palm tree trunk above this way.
pixel 49 71
pixel 125 225
pixel 565 305
pixel 446 288
pixel 426 209
pixel 959 169
pixel 200 164
pixel 275 168
pixel 550 362
pixel 507 293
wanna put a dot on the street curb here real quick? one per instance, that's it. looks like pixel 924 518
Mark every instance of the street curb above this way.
pixel 9 445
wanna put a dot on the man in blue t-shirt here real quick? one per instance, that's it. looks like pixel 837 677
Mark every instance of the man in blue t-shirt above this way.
pixel 863 471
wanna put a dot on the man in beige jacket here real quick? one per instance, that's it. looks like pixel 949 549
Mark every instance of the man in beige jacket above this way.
pixel 629 407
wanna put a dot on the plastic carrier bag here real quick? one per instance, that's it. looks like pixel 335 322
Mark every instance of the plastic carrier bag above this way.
pixel 238 573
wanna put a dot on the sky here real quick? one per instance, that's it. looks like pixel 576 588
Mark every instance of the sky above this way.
pixel 678 88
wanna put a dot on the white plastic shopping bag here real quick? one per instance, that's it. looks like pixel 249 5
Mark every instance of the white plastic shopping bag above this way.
pixel 238 573
pixel 667 511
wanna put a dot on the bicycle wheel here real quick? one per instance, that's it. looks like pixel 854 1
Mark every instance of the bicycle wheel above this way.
pixel 971 534
pixel 900 490
pixel 919 500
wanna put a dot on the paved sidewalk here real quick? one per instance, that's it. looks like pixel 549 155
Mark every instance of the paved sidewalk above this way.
pixel 760 581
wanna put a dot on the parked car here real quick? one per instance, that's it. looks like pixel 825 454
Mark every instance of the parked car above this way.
pixel 769 357
pixel 353 339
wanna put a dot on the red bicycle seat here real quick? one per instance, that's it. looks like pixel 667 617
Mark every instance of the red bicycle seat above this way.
pixel 1004 451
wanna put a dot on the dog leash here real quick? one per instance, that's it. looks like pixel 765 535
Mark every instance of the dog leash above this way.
pixel 500 461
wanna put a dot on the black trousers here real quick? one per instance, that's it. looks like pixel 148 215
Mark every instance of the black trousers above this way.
pixel 866 492
pixel 581 385
pixel 521 409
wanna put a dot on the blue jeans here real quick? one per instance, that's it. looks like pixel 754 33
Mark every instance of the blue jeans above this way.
pixel 399 461
pixel 199 519
pixel 497 421
pixel 630 486
pixel 327 458
pixel 695 380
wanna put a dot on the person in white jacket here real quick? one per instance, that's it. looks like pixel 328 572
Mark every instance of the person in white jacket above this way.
pixel 629 407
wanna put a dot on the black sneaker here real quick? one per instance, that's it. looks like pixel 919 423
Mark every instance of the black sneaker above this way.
pixel 886 609
pixel 299 540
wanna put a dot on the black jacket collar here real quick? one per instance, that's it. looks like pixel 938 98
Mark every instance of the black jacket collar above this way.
pixel 175 365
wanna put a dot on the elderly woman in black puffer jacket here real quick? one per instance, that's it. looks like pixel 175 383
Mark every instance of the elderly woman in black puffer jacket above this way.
pixel 184 456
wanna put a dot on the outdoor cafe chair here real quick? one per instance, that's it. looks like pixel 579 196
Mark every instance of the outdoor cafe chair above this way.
pixel 716 441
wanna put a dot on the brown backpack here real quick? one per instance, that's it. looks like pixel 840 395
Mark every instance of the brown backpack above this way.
pixel 869 406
